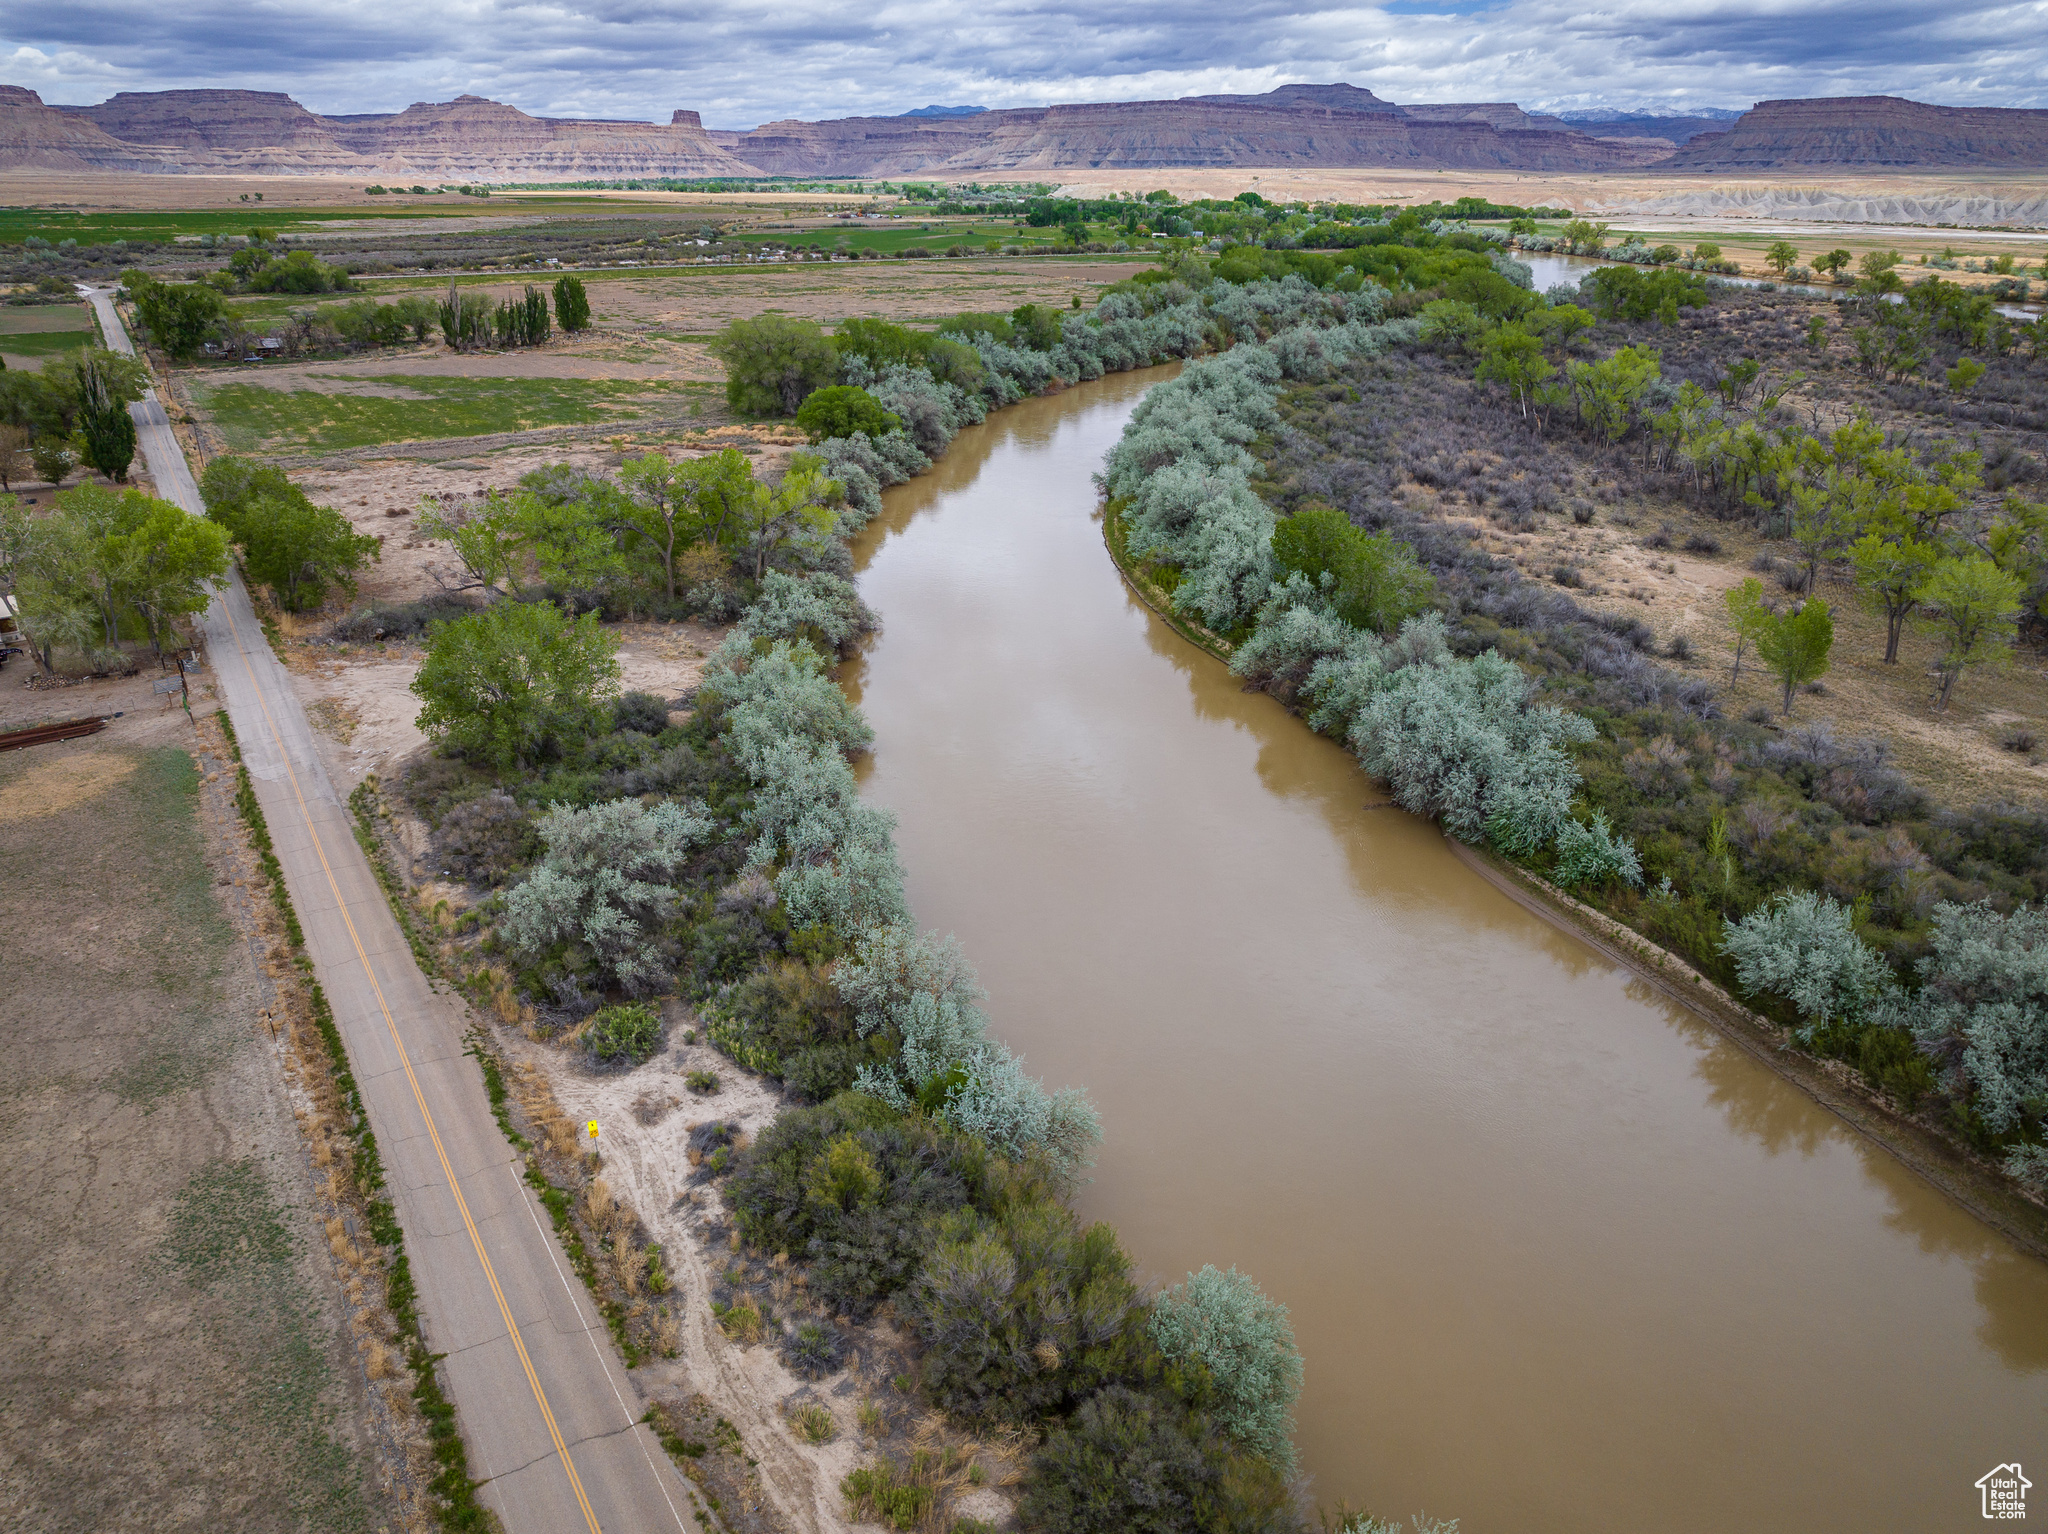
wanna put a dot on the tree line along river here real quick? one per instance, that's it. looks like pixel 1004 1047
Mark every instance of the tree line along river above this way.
pixel 1561 1259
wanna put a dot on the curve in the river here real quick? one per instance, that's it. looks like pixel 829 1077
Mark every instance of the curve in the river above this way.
pixel 1561 1258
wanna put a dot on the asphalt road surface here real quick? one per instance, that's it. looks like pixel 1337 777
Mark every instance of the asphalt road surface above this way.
pixel 548 1412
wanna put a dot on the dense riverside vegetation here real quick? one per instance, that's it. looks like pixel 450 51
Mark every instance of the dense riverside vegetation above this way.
pixel 1800 869
pixel 730 858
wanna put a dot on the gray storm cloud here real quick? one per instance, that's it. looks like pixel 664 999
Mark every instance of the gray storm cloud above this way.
pixel 745 64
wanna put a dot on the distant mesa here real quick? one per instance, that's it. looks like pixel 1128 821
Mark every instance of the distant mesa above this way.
pixel 1302 125
pixel 1872 133
pixel 1675 129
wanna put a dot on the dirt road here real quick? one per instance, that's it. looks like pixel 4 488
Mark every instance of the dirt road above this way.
pixel 550 1416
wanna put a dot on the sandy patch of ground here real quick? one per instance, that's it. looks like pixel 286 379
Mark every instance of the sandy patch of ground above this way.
pixel 362 700
pixel 648 1166
pixel 382 496
pixel 147 718
pixel 54 784
pixel 1956 756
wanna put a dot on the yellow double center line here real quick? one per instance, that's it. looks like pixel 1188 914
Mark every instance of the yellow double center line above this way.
pixel 540 1397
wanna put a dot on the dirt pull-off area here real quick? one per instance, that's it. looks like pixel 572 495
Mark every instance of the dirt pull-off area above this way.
pixel 188 1345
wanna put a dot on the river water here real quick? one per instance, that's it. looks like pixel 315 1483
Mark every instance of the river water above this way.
pixel 1546 271
pixel 1559 1257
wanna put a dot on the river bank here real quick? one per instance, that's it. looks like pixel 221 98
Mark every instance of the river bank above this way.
pixel 1974 1183
pixel 1556 1250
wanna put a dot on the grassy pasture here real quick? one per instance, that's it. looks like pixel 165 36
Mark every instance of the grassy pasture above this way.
pixel 415 407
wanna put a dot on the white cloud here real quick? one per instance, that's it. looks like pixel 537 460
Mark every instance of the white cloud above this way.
pixel 741 64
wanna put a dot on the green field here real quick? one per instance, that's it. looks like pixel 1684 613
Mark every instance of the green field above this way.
pixel 254 417
pixel 45 330
pixel 933 234
pixel 45 343
pixel 161 227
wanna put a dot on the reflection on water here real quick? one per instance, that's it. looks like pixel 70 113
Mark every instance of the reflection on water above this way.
pixel 1560 1257
pixel 1549 270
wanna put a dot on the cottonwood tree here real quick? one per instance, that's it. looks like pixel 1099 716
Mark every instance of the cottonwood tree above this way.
pixel 1511 355
pixel 801 502
pixel 289 544
pixel 181 316
pixel 516 682
pixel 657 509
pixel 773 363
pixel 1973 606
pixel 103 561
pixel 1796 645
pixel 1372 579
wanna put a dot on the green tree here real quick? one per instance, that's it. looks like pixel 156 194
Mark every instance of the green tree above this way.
pixel 299 550
pixel 1607 392
pixel 107 430
pixel 1795 645
pixel 1559 325
pixel 517 682
pixel 1891 566
pixel 882 342
pixel 2018 545
pixel 1832 262
pixel 1748 616
pixel 1878 274
pixel 721 490
pixel 487 541
pixel 1451 324
pixel 1706 250
pixel 122 557
pixel 180 315
pixel 657 511
pixel 841 410
pixel 1973 606
pixel 295 548
pixel 168 564
pixel 802 502
pixel 572 304
pixel 1511 355
pixel 1782 256
pixel 1372 579
pixel 772 364
pixel 1962 378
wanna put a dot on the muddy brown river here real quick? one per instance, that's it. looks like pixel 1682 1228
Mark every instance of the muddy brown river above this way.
pixel 1560 1258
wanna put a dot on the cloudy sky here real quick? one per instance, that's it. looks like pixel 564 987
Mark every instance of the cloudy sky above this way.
pixel 745 64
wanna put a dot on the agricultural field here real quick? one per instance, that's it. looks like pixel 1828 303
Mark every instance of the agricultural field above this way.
pixel 351 412
pixel 642 365
pixel 31 333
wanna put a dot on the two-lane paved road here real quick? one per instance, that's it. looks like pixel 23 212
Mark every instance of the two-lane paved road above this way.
pixel 548 1412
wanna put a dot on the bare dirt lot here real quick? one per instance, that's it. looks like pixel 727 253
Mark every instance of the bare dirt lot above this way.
pixel 182 1354
pixel 1956 756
